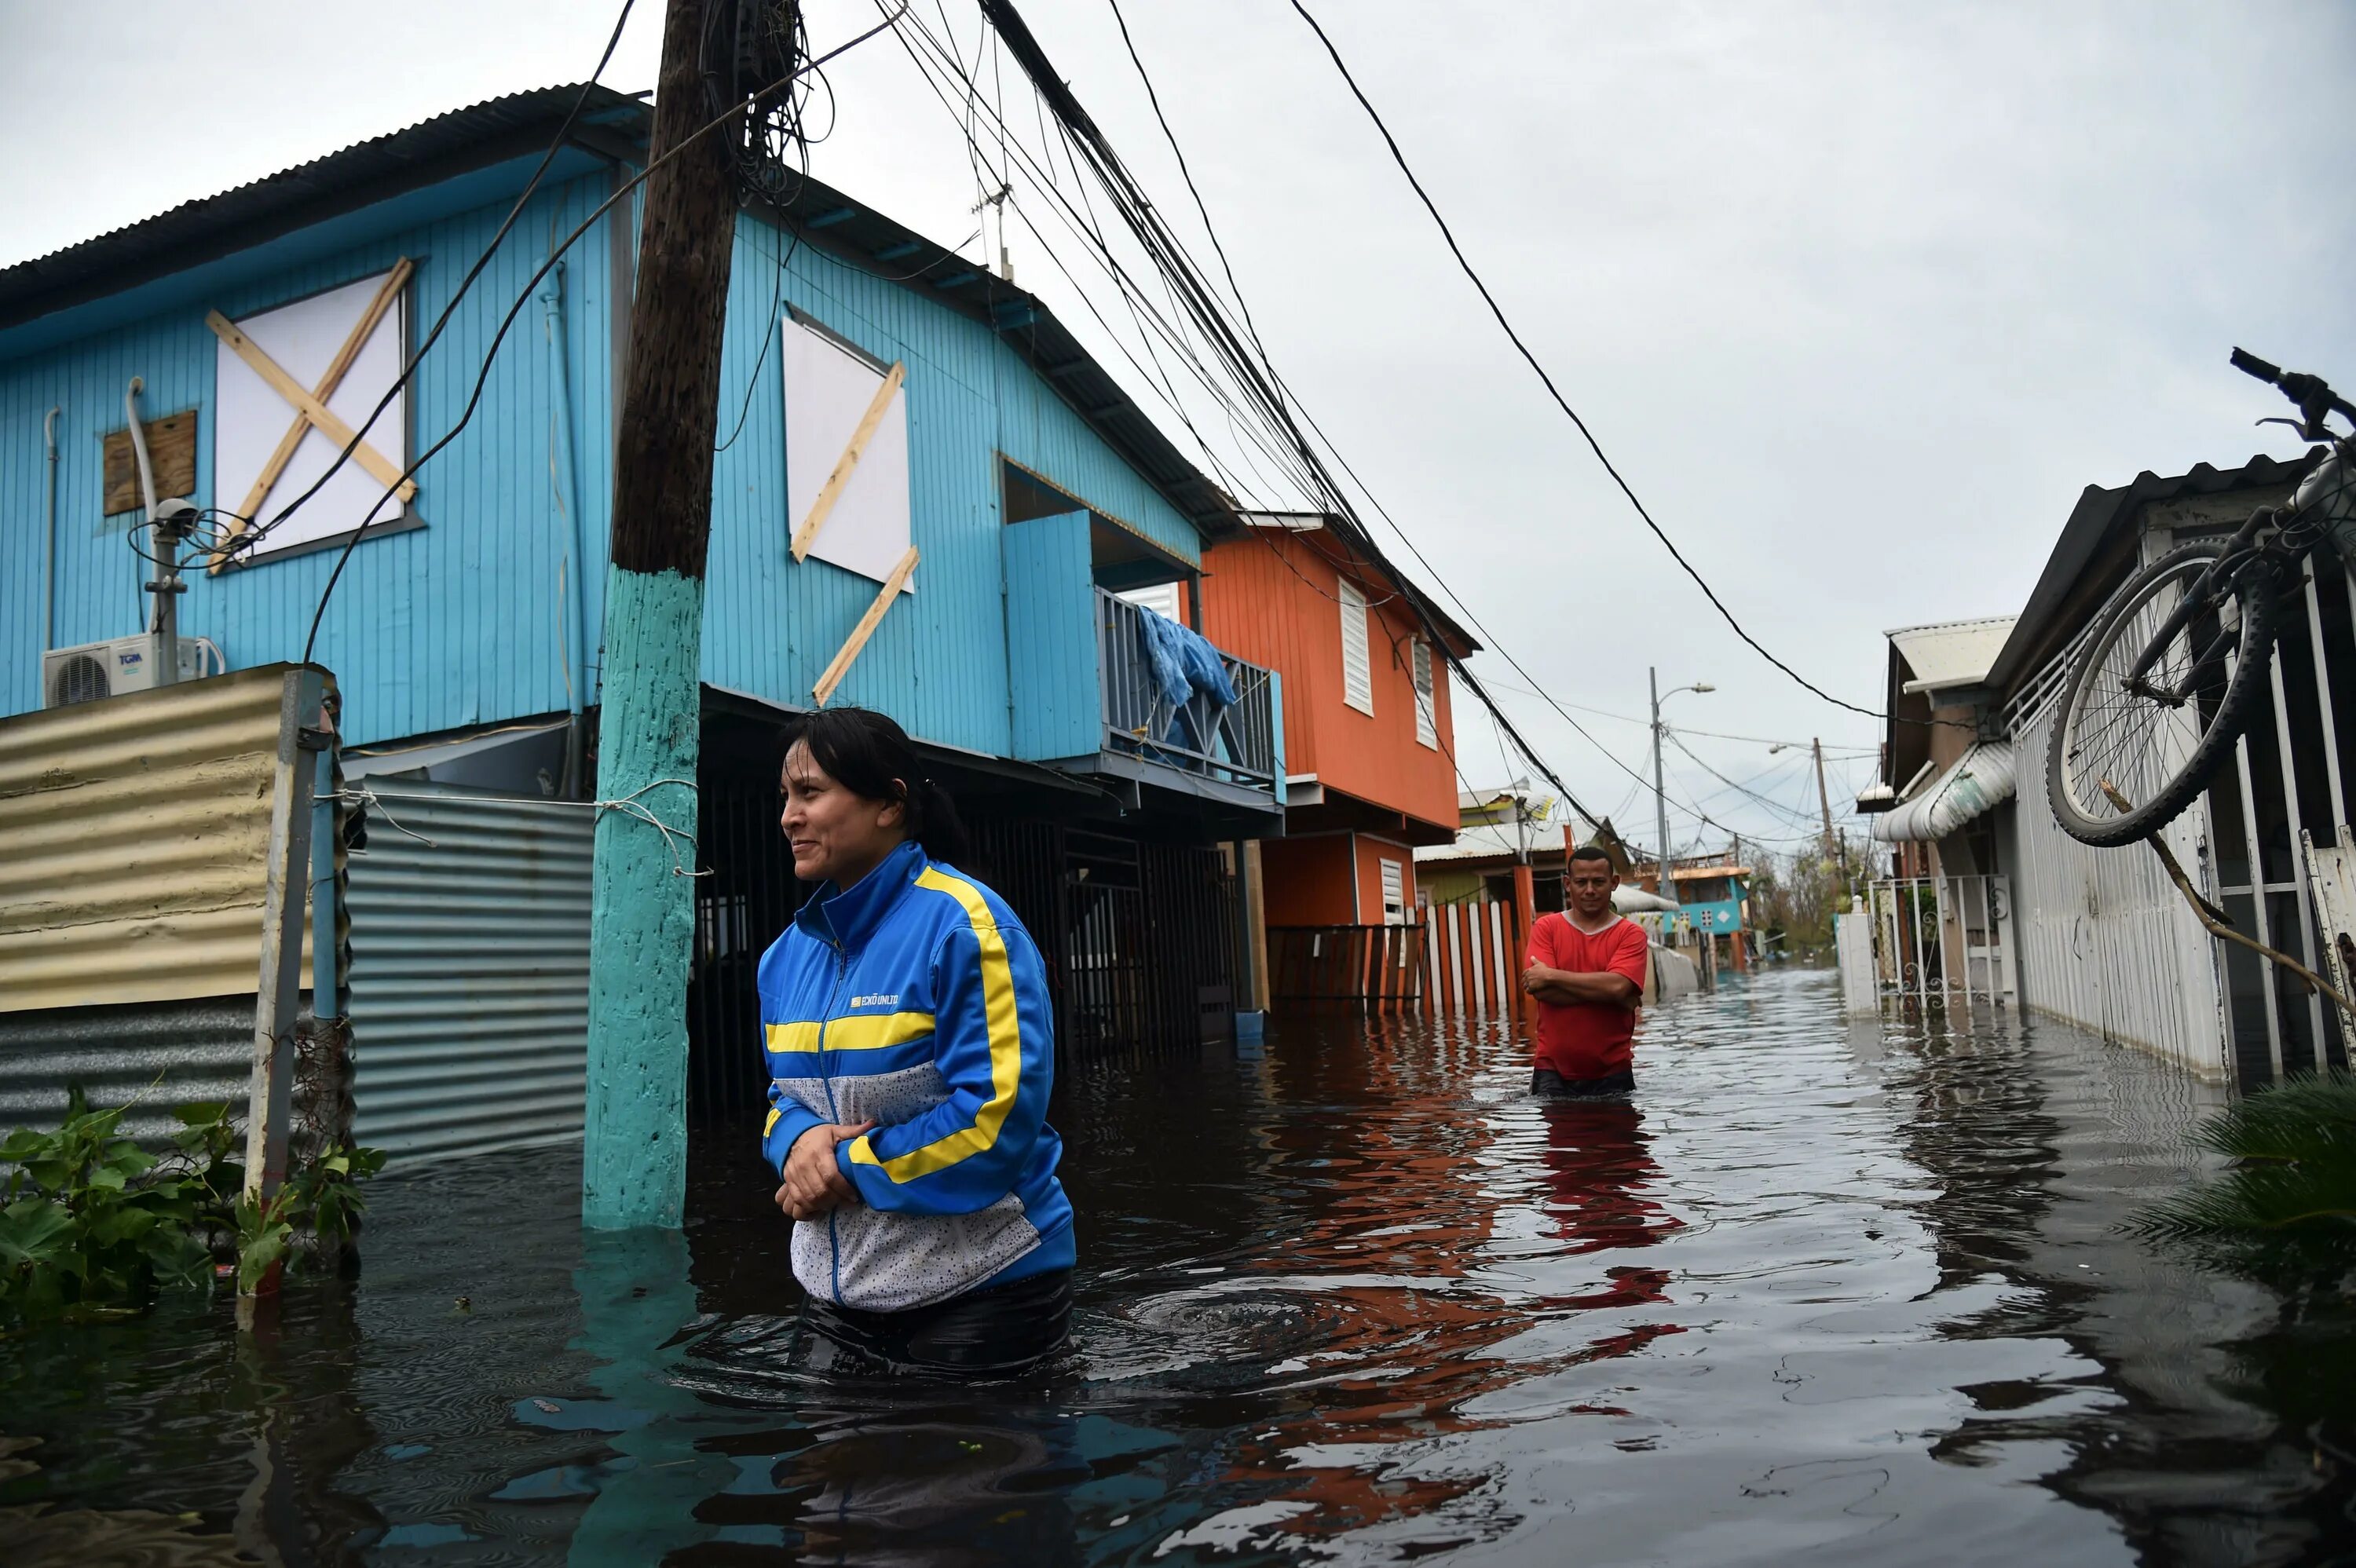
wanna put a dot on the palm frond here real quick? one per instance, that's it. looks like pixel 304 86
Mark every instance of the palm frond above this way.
pixel 2295 1149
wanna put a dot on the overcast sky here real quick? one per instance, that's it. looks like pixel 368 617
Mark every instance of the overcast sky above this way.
pixel 1859 297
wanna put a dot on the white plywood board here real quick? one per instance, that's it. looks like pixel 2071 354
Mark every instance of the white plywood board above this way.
pixel 251 418
pixel 828 391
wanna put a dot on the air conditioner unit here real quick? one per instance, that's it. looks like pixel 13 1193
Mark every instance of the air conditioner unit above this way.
pixel 110 669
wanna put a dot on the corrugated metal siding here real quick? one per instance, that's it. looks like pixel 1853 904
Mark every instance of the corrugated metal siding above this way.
pixel 1057 695
pixel 201 1051
pixel 132 836
pixel 439 627
pixel 470 971
pixel 2106 942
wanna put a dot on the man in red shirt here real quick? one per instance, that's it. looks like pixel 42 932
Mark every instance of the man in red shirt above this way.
pixel 1587 970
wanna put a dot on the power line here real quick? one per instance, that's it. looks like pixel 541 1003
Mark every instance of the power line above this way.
pixel 1193 298
pixel 1561 401
pixel 1256 378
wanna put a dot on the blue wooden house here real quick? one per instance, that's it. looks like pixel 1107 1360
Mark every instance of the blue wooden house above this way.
pixel 261 324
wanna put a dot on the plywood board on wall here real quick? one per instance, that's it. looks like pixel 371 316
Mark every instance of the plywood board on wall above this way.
pixel 171 454
pixel 829 388
pixel 304 337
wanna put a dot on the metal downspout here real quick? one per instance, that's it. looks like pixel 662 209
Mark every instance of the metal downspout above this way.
pixel 563 480
pixel 49 537
pixel 326 996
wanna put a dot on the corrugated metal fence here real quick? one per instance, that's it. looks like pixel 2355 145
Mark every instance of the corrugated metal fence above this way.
pixel 132 840
pixel 134 836
pixel 470 970
pixel 2106 941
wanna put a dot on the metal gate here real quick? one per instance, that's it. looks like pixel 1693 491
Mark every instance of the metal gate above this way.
pixel 1947 939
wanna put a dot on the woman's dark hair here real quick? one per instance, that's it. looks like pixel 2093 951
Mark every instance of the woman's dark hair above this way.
pixel 869 754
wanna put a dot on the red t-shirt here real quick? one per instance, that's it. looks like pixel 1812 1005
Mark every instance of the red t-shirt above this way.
pixel 1586 1040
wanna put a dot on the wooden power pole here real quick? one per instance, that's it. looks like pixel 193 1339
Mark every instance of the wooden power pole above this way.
pixel 1825 801
pixel 634 1170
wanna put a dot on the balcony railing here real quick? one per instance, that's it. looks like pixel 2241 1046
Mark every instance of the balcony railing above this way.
pixel 1235 744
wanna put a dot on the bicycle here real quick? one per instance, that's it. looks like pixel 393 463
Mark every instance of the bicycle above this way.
pixel 2176 665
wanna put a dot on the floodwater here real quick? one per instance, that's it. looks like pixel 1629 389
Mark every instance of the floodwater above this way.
pixel 1823 1293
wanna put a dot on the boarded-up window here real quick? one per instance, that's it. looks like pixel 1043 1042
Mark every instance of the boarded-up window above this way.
pixel 171 456
pixel 306 340
pixel 1394 893
pixel 829 388
pixel 1427 723
pixel 1357 674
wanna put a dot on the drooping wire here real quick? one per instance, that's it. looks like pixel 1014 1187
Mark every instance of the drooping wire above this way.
pixel 1552 390
pixel 1250 371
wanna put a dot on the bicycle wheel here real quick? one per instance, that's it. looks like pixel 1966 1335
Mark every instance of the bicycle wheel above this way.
pixel 2158 755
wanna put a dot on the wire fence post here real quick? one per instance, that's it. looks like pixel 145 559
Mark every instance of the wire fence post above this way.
pixel 303 730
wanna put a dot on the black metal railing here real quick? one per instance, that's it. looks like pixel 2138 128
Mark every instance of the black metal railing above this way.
pixel 1234 743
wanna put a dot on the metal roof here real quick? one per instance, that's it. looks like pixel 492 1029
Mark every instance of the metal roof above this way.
pixel 1489 842
pixel 2098 511
pixel 236 219
pixel 612 125
pixel 1950 653
pixel 1981 780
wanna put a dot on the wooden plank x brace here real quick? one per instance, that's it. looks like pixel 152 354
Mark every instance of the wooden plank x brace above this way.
pixel 311 405
pixel 869 423
pixel 841 666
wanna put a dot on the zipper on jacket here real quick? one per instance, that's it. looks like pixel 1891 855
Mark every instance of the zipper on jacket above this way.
pixel 826 1081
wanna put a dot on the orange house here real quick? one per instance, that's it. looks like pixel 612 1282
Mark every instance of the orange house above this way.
pixel 1368 744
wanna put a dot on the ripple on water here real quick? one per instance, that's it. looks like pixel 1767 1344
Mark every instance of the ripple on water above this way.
pixel 1846 1291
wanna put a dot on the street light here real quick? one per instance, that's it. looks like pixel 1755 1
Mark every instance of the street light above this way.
pixel 1660 791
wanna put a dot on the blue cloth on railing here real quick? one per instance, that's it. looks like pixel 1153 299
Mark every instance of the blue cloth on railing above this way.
pixel 1193 678
pixel 1184 661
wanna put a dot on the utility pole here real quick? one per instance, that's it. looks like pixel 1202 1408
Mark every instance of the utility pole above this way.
pixel 1824 800
pixel 634 1169
pixel 1668 888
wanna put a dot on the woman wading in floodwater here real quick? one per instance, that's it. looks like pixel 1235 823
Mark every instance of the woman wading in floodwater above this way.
pixel 910 1046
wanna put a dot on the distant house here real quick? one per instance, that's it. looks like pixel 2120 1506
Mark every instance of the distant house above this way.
pixel 1498 830
pixel 1027 488
pixel 1935 699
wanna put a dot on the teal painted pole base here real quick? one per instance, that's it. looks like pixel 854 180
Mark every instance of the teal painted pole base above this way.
pixel 642 918
pixel 635 1298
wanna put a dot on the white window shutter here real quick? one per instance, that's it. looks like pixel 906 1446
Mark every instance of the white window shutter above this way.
pixel 1427 723
pixel 1394 893
pixel 1357 673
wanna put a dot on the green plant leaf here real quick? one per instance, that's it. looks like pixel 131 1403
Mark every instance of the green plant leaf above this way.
pixel 258 1250
pixel 35 1232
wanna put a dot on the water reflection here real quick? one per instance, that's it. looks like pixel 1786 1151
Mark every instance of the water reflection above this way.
pixel 1829 1290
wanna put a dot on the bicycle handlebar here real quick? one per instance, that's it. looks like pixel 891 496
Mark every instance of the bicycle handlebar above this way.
pixel 2314 397
pixel 2249 364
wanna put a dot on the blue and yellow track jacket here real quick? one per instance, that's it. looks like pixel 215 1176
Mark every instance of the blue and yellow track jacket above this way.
pixel 916 1000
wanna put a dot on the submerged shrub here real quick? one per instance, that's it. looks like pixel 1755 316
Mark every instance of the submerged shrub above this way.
pixel 2293 1148
pixel 92 1226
